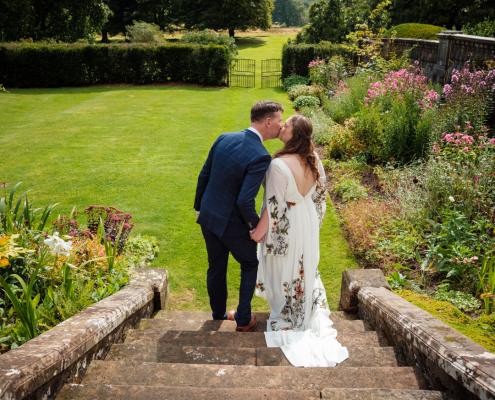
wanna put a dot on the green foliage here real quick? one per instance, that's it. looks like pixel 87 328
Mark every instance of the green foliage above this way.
pixel 350 189
pixel 328 74
pixel 140 251
pixel 397 281
pixel 206 37
pixel 296 58
pixel 415 31
pixel 380 16
pixel 306 101
pixel 321 124
pixel 325 18
pixel 295 80
pixel 289 12
pixel 30 65
pixel 485 28
pixel 486 284
pixel 61 20
pixel 462 300
pixel 302 90
pixel 143 32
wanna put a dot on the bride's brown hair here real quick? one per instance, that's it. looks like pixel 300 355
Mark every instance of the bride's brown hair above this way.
pixel 301 143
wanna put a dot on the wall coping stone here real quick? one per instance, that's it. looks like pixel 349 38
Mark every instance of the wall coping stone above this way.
pixel 27 368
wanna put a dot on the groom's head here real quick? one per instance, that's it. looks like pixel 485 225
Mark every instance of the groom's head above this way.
pixel 266 118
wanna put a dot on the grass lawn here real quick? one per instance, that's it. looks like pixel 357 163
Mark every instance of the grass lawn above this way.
pixel 140 149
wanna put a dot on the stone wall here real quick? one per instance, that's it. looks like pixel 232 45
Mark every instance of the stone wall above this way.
pixel 439 57
pixel 450 361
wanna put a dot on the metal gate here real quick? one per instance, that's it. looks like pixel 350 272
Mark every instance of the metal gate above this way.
pixel 271 73
pixel 242 73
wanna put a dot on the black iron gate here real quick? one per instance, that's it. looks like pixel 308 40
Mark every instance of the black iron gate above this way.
pixel 242 73
pixel 271 73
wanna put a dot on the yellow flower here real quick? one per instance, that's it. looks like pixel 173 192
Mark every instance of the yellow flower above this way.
pixel 4 262
pixel 4 240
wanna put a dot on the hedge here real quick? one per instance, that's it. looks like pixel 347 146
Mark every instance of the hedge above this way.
pixel 296 57
pixel 415 31
pixel 56 65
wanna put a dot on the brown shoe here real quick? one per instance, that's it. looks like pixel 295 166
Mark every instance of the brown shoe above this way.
pixel 251 327
pixel 231 315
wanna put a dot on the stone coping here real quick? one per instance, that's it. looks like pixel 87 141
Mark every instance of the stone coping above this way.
pixel 64 349
pixel 450 360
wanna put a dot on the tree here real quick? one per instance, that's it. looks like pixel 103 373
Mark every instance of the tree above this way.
pixel 325 17
pixel 64 20
pixel 289 12
pixel 228 15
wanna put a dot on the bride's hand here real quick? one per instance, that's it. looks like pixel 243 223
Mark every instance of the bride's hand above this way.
pixel 257 237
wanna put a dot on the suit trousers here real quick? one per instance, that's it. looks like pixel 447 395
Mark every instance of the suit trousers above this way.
pixel 243 249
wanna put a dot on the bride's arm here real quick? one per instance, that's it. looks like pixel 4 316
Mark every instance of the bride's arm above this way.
pixel 261 228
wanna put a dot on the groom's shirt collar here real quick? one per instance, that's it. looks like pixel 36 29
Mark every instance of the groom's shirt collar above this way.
pixel 255 131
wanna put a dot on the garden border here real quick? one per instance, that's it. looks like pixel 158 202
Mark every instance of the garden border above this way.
pixel 40 367
pixel 449 360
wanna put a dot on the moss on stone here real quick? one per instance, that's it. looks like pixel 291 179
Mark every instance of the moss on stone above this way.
pixel 416 31
pixel 482 330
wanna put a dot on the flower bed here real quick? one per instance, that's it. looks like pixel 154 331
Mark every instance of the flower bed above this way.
pixel 411 167
pixel 48 274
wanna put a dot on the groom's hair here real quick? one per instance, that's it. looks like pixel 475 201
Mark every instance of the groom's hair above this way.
pixel 265 109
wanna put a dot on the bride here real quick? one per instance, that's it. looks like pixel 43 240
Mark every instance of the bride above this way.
pixel 288 278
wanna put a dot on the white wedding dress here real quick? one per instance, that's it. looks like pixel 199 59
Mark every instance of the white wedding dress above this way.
pixel 288 276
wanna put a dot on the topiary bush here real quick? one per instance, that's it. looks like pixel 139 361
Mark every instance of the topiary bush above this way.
pixel 206 37
pixel 56 65
pixel 415 31
pixel 306 101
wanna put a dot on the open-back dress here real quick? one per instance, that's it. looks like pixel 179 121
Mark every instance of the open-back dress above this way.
pixel 288 275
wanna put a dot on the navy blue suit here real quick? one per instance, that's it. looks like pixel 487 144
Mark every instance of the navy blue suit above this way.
pixel 225 197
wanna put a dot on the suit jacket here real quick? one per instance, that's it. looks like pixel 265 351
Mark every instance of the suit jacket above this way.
pixel 229 182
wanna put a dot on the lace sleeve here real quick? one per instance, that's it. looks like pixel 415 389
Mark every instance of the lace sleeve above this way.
pixel 320 195
pixel 277 237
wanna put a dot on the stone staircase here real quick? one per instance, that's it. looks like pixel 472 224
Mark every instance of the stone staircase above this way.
pixel 182 355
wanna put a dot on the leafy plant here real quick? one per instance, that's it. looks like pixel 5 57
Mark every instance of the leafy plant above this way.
pixel 110 248
pixel 398 281
pixel 484 28
pixel 143 32
pixel 486 283
pixel 295 80
pixel 306 101
pixel 206 37
pixel 462 300
pixel 350 189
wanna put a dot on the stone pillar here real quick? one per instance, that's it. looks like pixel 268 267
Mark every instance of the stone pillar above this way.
pixel 443 56
pixel 355 279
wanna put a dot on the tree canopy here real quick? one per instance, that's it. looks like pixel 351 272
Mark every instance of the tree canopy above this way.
pixel 289 12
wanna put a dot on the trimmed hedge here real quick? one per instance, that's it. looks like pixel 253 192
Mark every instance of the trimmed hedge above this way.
pixel 56 65
pixel 416 31
pixel 296 57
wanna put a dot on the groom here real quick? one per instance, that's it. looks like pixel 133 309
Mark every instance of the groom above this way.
pixel 225 204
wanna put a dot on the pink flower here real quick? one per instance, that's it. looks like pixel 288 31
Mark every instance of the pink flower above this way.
pixel 466 149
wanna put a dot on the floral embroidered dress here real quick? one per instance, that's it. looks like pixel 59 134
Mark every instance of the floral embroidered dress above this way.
pixel 288 276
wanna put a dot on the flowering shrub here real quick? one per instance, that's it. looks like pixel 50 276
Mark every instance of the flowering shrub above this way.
pixel 302 90
pixel 327 74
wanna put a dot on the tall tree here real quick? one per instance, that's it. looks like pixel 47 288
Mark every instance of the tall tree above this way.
pixel 325 17
pixel 289 12
pixel 228 15
pixel 64 20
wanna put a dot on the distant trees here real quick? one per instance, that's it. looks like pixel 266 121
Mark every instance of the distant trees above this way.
pixel 289 12
pixel 64 20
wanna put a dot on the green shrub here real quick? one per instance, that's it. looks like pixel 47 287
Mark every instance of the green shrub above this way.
pixel 142 32
pixel 415 31
pixel 295 80
pixel 206 37
pixel 296 57
pixel 485 28
pixel 464 301
pixel 306 101
pixel 321 124
pixel 301 90
pixel 42 65
pixel 350 189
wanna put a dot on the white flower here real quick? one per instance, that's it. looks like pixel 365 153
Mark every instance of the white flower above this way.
pixel 451 199
pixel 58 245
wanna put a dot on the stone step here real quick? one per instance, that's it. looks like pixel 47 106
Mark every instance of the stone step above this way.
pixel 381 394
pixel 229 326
pixel 236 339
pixel 205 315
pixel 250 377
pixel 114 392
pixel 358 357
pixel 264 356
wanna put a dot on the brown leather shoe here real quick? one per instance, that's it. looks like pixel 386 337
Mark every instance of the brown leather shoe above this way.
pixel 251 327
pixel 231 315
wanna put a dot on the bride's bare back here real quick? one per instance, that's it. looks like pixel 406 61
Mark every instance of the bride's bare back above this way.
pixel 301 172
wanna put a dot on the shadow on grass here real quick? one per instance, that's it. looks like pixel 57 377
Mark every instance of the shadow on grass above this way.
pixel 103 89
pixel 250 42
